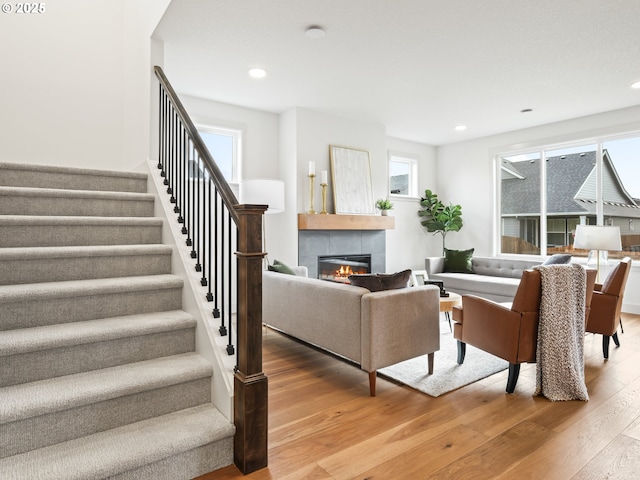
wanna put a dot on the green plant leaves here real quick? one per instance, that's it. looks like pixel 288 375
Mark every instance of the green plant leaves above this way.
pixel 438 217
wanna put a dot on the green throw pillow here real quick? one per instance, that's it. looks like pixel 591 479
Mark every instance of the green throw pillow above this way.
pixel 458 261
pixel 280 267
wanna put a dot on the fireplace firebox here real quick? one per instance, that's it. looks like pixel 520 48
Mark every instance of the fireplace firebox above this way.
pixel 337 268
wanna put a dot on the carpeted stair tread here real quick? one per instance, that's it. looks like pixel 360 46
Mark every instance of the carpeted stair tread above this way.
pixel 31 175
pixel 54 201
pixel 62 393
pixel 73 220
pixel 15 342
pixel 49 264
pixel 79 288
pixel 122 449
pixel 78 194
pixel 45 230
pixel 36 253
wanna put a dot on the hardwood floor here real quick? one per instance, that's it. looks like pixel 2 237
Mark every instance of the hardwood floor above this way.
pixel 323 424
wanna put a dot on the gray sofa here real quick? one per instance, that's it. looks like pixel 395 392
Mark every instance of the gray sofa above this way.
pixel 372 329
pixel 495 278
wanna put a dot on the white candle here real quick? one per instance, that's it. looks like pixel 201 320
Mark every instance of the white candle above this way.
pixel 324 176
pixel 312 168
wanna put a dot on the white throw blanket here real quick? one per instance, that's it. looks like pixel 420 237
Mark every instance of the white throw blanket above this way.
pixel 560 350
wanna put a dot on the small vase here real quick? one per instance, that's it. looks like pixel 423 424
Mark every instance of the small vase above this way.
pixel 384 213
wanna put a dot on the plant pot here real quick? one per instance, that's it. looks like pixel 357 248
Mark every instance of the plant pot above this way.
pixel 384 212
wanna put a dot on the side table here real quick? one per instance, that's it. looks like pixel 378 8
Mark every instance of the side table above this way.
pixel 447 304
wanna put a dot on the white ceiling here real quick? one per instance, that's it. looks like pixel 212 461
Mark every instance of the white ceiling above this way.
pixel 419 67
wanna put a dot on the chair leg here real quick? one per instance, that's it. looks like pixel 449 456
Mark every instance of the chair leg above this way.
pixel 462 350
pixel 605 346
pixel 514 373
pixel 430 358
pixel 621 329
pixel 616 340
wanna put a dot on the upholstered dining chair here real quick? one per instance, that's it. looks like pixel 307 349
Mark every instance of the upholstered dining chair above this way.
pixel 606 305
pixel 508 331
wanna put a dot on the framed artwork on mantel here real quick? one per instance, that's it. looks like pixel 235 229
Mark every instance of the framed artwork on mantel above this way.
pixel 352 185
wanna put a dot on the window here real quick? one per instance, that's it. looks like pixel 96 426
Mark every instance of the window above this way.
pixel 545 193
pixel 403 174
pixel 224 146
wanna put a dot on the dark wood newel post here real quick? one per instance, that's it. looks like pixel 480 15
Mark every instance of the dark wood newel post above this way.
pixel 250 384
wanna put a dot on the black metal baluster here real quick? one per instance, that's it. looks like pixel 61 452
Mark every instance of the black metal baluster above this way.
pixel 215 260
pixel 212 253
pixel 185 188
pixel 167 167
pixel 179 170
pixel 190 195
pixel 172 169
pixel 203 255
pixel 230 348
pixel 161 103
pixel 223 326
pixel 184 153
pixel 198 233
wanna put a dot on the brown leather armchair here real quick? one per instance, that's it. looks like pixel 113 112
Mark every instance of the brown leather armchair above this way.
pixel 506 331
pixel 606 305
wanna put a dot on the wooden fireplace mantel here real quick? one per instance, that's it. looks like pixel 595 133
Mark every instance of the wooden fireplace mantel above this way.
pixel 344 222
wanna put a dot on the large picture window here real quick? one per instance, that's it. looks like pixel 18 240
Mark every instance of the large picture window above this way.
pixel 545 193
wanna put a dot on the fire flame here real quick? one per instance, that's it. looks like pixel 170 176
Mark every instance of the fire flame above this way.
pixel 343 271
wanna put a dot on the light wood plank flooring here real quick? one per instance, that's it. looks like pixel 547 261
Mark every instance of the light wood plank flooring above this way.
pixel 323 425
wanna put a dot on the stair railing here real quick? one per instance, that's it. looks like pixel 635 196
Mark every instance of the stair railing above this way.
pixel 218 229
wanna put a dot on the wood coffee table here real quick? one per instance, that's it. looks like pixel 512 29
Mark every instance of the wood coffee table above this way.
pixel 447 304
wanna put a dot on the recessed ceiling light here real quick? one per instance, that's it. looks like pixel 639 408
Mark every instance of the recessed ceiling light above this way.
pixel 460 128
pixel 314 31
pixel 636 85
pixel 258 72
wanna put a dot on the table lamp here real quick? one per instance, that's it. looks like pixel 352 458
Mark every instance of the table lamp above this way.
pixel 260 191
pixel 600 239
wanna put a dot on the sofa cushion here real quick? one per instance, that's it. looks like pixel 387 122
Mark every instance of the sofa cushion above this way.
pixel 482 285
pixel 458 261
pixel 502 267
pixel 558 259
pixel 376 282
pixel 280 268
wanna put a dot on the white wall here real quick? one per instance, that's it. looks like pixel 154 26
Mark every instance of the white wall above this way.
pixel 465 176
pixel 259 132
pixel 75 88
pixel 409 243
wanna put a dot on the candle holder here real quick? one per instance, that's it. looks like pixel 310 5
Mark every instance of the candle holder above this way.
pixel 324 199
pixel 311 209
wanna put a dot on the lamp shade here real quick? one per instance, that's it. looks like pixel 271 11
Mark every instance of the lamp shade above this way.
pixel 259 191
pixel 597 237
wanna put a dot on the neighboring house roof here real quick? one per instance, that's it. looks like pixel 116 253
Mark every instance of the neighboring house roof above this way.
pixel 571 187
pixel 399 184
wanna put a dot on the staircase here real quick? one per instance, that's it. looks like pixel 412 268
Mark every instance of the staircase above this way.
pixel 98 373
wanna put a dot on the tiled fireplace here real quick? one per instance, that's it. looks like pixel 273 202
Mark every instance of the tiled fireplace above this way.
pixel 319 243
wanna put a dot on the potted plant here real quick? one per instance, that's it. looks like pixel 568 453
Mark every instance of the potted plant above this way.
pixel 438 217
pixel 384 206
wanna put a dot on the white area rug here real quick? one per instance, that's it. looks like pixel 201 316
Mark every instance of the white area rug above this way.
pixel 447 374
